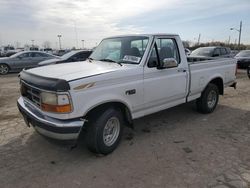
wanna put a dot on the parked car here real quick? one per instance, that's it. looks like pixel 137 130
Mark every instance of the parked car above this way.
pixel 48 50
pixel 7 51
pixel 243 58
pixel 60 52
pixel 20 60
pixel 212 51
pixel 125 78
pixel 73 56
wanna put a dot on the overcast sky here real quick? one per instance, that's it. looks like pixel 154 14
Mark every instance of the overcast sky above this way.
pixel 90 20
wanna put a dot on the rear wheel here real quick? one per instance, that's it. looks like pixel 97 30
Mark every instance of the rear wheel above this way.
pixel 209 99
pixel 104 132
pixel 4 69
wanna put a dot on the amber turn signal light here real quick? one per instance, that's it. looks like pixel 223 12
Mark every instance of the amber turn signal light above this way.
pixel 56 108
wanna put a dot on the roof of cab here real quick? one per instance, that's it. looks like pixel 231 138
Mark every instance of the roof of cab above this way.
pixel 146 35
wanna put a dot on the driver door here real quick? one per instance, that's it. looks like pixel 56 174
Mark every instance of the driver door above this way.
pixel 167 87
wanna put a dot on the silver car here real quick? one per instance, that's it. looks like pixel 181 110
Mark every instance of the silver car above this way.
pixel 21 60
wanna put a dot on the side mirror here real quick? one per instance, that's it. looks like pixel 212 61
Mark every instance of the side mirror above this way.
pixel 19 57
pixel 216 55
pixel 168 63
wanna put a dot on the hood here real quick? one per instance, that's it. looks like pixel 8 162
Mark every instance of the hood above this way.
pixel 242 58
pixel 49 62
pixel 76 70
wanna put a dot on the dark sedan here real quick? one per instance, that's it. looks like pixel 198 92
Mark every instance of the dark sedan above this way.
pixel 73 56
pixel 243 58
pixel 212 51
pixel 21 60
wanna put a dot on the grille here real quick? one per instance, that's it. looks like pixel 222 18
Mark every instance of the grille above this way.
pixel 31 93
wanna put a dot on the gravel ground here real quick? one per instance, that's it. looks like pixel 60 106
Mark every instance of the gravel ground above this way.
pixel 174 148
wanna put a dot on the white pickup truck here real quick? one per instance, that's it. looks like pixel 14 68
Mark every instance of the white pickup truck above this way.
pixel 125 78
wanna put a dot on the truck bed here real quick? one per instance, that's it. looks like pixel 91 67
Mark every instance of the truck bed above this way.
pixel 201 72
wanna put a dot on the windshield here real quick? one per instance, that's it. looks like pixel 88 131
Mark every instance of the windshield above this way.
pixel 68 55
pixel 208 52
pixel 128 49
pixel 17 54
pixel 244 54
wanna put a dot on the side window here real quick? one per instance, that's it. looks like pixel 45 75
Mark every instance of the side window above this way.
pixel 36 55
pixel 80 56
pixel 24 55
pixel 223 51
pixel 167 48
pixel 217 52
pixel 228 51
pixel 43 55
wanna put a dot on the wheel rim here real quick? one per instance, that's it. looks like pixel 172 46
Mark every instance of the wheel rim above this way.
pixel 211 99
pixel 111 131
pixel 4 69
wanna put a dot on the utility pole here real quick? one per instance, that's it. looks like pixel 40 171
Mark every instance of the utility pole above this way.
pixel 59 38
pixel 239 30
pixel 199 38
pixel 240 33
pixel 229 39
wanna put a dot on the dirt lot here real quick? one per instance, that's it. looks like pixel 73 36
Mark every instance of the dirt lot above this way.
pixel 177 147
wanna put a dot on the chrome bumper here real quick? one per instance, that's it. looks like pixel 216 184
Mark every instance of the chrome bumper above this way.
pixel 50 127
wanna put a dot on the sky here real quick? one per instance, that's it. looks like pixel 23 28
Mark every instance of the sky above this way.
pixel 22 21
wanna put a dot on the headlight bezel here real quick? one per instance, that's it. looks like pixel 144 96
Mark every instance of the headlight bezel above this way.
pixel 55 102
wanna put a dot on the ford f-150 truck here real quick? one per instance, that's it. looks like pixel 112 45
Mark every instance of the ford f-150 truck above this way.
pixel 125 78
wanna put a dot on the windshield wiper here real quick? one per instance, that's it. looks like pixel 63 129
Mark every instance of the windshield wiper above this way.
pixel 110 60
pixel 127 62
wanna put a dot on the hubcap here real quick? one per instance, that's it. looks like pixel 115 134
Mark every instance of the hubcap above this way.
pixel 211 99
pixel 111 131
pixel 4 69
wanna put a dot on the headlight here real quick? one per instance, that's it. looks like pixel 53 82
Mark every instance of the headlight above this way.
pixel 52 102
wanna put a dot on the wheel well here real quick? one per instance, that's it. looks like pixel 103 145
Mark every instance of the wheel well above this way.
pixel 124 109
pixel 219 83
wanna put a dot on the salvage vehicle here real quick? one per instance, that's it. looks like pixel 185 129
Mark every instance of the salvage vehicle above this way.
pixel 243 59
pixel 73 56
pixel 211 51
pixel 125 78
pixel 20 60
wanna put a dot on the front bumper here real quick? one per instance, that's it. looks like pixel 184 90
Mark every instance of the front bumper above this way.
pixel 50 127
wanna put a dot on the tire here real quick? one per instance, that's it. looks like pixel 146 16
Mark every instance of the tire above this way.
pixel 108 120
pixel 208 100
pixel 4 69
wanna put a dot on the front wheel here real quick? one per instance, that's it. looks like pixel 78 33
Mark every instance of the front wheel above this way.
pixel 4 69
pixel 209 99
pixel 104 132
